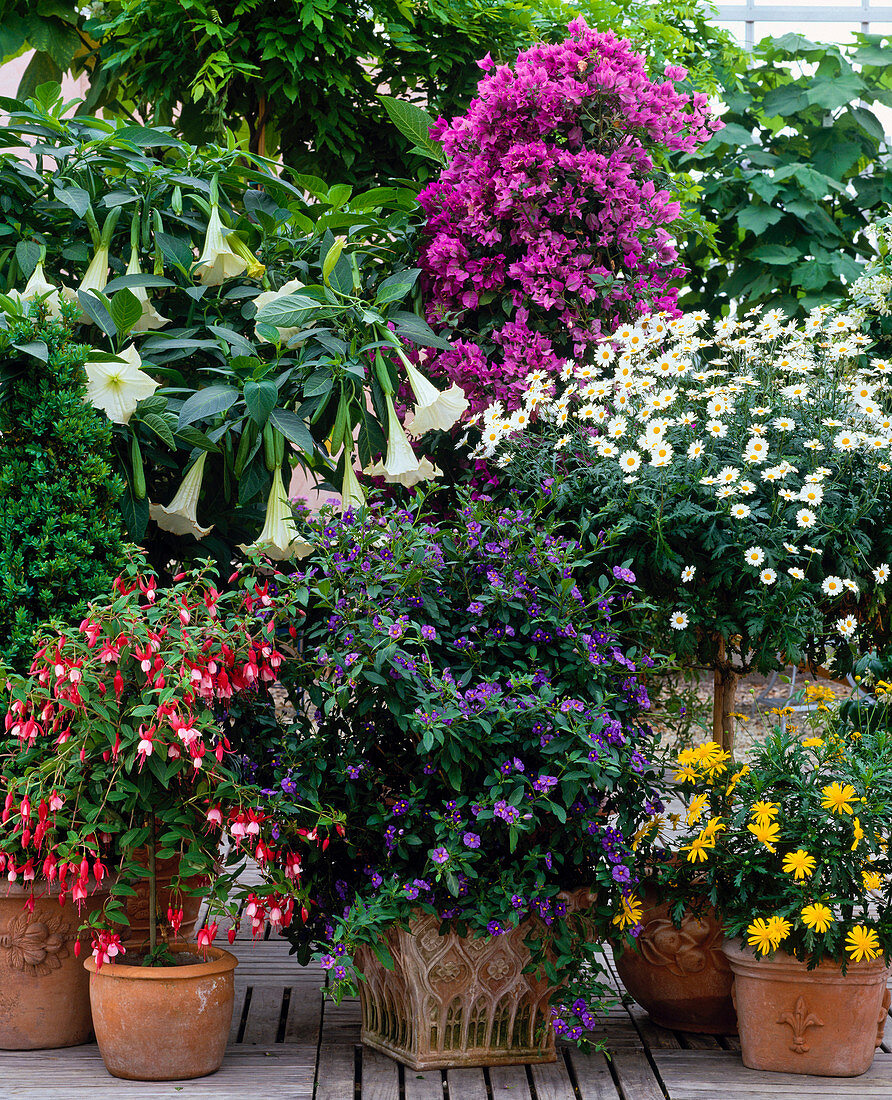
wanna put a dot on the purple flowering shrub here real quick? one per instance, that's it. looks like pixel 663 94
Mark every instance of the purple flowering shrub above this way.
pixel 550 222
pixel 462 697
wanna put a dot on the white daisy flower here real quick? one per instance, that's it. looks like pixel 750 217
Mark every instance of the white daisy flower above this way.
pixel 832 586
pixel 768 576
pixel 754 556
pixel 881 573
pixel 687 574
pixel 847 626
pixel 796 572
pixel 696 449
pixel 630 461
pixel 717 429
pixel 805 518
pixel 678 620
pixel 740 511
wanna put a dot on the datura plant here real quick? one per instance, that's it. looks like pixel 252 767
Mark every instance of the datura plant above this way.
pixel 243 322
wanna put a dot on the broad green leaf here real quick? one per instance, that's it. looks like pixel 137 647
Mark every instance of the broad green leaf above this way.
pixel 783 101
pixel 758 218
pixel 75 198
pixel 196 438
pixel 733 134
pixel 27 253
pixel 868 121
pixel 331 257
pixel 776 254
pixel 94 308
pixel 131 281
pixel 136 515
pixel 125 310
pixel 417 330
pixel 35 348
pixel 836 92
pixel 260 398
pixel 160 427
pixel 340 194
pixel 415 124
pixel 207 402
pixel 293 428
pixel 290 312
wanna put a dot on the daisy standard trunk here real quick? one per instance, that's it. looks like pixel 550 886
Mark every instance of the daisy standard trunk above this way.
pixel 455 1000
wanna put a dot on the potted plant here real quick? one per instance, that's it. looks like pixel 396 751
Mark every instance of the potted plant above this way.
pixel 741 466
pixel 464 698
pixel 118 760
pixel 793 850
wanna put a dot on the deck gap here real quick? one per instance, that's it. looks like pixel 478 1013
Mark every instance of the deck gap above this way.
pixel 621 1092
pixel 564 1056
pixel 534 1095
pixel 283 1014
pixel 488 1083
pixel 401 1080
pixel 319 1044
pixel 243 1022
pixel 357 1072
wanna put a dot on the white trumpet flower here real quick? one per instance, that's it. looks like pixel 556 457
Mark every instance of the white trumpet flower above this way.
pixel 150 317
pixel 95 278
pixel 400 458
pixel 264 299
pixel 279 539
pixel 218 262
pixel 424 471
pixel 117 387
pixel 352 495
pixel 181 515
pixel 38 286
pixel 435 410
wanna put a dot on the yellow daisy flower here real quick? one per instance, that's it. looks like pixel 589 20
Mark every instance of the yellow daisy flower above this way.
pixel 687 774
pixel 630 913
pixel 859 833
pixel 837 798
pixel 779 927
pixel 766 833
pixel 799 863
pixel 695 810
pixel 817 917
pixel 698 849
pixel 863 943
pixel 759 935
pixel 871 880
pixel 763 813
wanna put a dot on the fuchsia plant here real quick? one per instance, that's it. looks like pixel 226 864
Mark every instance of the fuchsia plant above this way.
pixel 548 225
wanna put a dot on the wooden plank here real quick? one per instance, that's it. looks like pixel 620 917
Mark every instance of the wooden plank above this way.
pixel 380 1076
pixel 304 1013
pixel 423 1086
pixel 652 1035
pixel 247 1071
pixel 636 1077
pixel 692 1041
pixel 705 1074
pixel 466 1084
pixel 238 1011
pixel 593 1077
pixel 264 1014
pixel 509 1083
pixel 552 1082
pixel 335 1072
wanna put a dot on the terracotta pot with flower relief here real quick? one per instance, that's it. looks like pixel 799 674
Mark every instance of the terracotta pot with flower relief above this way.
pixel 819 1021
pixel 44 989
pixel 679 974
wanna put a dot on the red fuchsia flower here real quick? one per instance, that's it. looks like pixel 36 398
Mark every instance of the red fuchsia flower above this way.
pixel 206 936
pixel 185 729
pixel 215 816
pixel 148 587
pixel 110 652
pixel 56 802
pixel 146 744
pixel 92 631
pixel 106 948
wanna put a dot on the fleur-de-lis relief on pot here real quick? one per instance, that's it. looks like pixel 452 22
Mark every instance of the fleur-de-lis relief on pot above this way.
pixel 35 946
pixel 799 1021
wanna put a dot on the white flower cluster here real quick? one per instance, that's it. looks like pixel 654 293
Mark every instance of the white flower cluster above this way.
pixel 768 415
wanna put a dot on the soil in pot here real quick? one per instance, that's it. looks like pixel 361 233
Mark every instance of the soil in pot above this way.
pixel 679 975
pixel 796 1020
pixel 44 989
pixel 165 1023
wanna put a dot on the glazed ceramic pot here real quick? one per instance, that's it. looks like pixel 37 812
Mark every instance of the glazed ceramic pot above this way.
pixel 679 975
pixel 796 1020
pixel 457 1000
pixel 164 1023
pixel 44 990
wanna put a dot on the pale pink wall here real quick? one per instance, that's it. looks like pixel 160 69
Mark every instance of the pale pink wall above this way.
pixel 11 74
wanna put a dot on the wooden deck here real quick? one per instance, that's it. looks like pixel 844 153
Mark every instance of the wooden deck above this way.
pixel 286 1043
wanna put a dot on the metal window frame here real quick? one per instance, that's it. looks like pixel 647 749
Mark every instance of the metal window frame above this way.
pixel 750 13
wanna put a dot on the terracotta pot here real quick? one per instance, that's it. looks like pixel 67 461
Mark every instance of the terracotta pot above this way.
pixel 137 906
pixel 164 1023
pixel 44 991
pixel 679 975
pixel 796 1020
pixel 457 1000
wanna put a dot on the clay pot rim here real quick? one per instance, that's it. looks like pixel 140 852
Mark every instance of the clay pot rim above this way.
pixel 784 967
pixel 41 888
pixel 218 962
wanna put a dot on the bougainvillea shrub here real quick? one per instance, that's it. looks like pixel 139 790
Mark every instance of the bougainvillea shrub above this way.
pixel 463 699
pixel 551 222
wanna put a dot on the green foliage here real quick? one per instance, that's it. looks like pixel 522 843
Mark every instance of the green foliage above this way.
pixel 48 27
pixel 820 802
pixel 60 527
pixel 461 697
pixel 303 80
pixel 227 373
pixel 796 176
